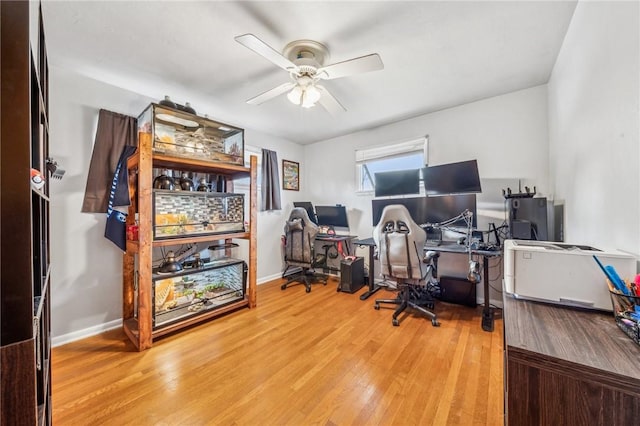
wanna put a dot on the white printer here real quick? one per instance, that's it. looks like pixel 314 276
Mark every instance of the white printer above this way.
pixel 562 273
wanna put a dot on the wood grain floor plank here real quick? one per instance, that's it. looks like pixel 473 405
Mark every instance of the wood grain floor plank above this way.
pixel 322 358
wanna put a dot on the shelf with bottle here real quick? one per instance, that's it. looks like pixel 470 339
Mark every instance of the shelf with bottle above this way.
pixel 184 213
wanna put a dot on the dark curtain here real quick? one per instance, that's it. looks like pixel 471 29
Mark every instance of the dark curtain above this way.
pixel 270 181
pixel 115 131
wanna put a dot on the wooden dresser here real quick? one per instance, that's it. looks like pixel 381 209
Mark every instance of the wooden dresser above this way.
pixel 568 367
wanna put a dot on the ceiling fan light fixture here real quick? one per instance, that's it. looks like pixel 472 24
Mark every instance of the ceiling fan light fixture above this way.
pixel 306 62
pixel 310 96
pixel 295 95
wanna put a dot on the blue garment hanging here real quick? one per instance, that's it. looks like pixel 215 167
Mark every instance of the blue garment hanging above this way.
pixel 116 227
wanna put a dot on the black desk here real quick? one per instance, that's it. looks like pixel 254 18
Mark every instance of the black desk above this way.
pixel 453 247
pixel 335 240
pixel 444 247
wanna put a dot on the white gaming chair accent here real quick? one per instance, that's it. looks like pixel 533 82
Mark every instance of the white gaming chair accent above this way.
pixel 400 243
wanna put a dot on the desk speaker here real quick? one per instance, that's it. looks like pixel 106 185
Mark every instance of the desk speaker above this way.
pixel 351 275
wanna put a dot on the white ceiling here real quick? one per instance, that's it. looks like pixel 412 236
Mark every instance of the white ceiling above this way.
pixel 436 54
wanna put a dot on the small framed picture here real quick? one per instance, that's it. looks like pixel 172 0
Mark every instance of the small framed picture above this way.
pixel 290 175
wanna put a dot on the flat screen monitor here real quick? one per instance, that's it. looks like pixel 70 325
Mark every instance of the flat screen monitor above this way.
pixel 309 208
pixel 431 209
pixel 332 216
pixel 445 207
pixel 452 178
pixel 399 182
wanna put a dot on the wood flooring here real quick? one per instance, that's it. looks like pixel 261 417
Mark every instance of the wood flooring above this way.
pixel 319 358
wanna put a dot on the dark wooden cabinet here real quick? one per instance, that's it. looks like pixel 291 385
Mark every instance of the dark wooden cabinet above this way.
pixel 568 367
pixel 24 218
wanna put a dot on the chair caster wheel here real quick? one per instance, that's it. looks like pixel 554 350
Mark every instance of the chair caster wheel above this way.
pixel 283 286
pixel 435 323
pixel 338 289
pixel 308 290
pixel 395 322
pixel 376 307
pixel 325 283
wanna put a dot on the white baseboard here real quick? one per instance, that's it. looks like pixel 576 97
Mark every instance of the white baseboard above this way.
pixel 87 332
pixel 263 280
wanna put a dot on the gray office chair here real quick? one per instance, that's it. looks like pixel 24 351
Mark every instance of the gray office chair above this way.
pixel 300 234
pixel 400 243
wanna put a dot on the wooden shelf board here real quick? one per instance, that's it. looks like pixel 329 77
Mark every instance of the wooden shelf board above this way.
pixel 199 165
pixel 201 239
pixel 200 318
pixel 134 246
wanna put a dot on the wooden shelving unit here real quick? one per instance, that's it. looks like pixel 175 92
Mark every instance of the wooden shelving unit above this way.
pixel 25 394
pixel 138 288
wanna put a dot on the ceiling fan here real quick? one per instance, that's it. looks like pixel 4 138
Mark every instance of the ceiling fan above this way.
pixel 305 61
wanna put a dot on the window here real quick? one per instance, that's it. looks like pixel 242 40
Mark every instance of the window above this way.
pixel 387 158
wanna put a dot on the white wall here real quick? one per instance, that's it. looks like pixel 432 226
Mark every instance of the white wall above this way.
pixel 593 126
pixel 87 268
pixel 507 135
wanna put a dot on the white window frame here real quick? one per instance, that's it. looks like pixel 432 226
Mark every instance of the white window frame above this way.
pixel 387 151
pixel 248 152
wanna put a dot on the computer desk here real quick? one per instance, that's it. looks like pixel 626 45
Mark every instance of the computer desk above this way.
pixel 444 247
pixel 335 240
pixel 332 238
pixel 454 247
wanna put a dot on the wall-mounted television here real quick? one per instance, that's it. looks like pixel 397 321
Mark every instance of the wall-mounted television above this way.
pixel 398 182
pixel 425 210
pixel 335 216
pixel 452 178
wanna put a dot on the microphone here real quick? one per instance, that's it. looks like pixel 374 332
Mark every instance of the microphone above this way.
pixel 474 271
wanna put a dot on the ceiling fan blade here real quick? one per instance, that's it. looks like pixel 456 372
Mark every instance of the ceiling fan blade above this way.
pixel 352 66
pixel 261 48
pixel 270 94
pixel 329 103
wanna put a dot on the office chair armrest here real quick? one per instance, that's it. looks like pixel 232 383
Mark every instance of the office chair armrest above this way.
pixel 430 256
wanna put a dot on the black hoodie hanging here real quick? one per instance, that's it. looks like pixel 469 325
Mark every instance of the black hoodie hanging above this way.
pixel 116 227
